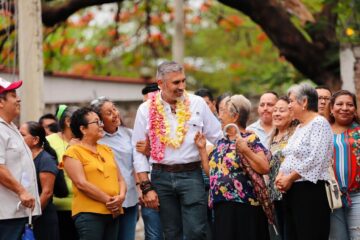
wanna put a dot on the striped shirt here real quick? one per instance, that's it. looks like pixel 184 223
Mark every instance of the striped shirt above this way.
pixel 347 158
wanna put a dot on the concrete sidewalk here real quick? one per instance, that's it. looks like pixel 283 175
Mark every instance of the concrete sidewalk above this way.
pixel 139 235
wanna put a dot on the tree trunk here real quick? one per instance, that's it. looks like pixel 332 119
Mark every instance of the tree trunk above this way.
pixel 317 59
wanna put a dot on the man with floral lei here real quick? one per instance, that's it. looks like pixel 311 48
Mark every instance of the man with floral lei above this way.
pixel 170 119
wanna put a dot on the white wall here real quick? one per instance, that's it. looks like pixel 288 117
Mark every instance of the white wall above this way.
pixel 68 90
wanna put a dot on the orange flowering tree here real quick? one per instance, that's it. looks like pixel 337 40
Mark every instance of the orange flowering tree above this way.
pixel 248 46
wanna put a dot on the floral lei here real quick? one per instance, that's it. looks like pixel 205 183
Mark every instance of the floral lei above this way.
pixel 159 132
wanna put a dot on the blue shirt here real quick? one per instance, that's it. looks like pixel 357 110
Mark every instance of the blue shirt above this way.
pixel 120 143
pixel 260 132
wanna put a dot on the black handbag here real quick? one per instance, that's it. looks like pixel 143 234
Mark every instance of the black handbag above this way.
pixel 60 188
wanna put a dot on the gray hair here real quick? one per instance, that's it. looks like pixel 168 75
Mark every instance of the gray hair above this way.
pixel 98 103
pixel 239 104
pixel 305 91
pixel 168 67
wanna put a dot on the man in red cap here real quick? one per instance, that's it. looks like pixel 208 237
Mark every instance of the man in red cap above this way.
pixel 18 185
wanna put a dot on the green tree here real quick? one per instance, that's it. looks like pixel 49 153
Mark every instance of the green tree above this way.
pixel 305 34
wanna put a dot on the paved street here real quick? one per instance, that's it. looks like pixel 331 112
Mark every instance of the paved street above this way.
pixel 140 230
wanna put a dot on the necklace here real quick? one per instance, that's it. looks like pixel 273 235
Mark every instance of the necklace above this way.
pixel 159 132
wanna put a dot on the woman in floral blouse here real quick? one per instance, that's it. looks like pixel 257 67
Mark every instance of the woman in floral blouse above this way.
pixel 237 191
pixel 345 222
pixel 284 128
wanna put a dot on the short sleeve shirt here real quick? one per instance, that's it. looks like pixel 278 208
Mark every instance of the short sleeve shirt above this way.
pixel 45 163
pixel 59 145
pixel 100 170
pixel 228 181
pixel 17 158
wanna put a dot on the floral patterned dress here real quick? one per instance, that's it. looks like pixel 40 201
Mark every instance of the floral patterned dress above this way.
pixel 228 179
pixel 275 162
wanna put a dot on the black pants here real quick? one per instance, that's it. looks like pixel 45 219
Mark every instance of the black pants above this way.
pixel 306 212
pixel 239 221
pixel 46 226
pixel 66 226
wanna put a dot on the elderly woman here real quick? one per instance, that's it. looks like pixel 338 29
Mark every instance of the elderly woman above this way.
pixel 118 138
pixel 284 127
pixel 59 142
pixel 304 171
pixel 99 189
pixel 345 221
pixel 45 226
pixel 235 167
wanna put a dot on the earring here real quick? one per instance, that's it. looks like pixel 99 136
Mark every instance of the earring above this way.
pixel 303 109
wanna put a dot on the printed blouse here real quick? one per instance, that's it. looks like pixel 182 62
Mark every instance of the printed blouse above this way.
pixel 228 181
pixel 347 159
pixel 277 158
pixel 309 151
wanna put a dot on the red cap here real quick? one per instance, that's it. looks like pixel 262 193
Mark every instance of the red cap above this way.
pixel 8 86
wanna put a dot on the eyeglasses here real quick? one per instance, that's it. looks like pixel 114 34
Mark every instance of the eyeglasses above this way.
pixel 98 122
pixel 324 98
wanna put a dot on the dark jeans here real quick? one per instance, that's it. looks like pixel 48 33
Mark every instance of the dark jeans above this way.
pixel 46 226
pixel 12 229
pixel 306 212
pixel 127 223
pixel 182 203
pixel 239 221
pixel 93 226
pixel 152 224
pixel 66 226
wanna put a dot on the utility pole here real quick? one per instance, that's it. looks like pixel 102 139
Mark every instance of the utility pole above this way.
pixel 178 41
pixel 30 59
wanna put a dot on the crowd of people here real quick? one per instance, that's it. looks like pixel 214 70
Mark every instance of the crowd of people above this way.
pixel 191 164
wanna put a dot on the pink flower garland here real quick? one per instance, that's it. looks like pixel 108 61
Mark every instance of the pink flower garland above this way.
pixel 159 132
pixel 156 122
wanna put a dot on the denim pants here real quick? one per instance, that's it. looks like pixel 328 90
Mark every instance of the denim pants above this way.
pixel 127 223
pixel 182 203
pixel 345 221
pixel 12 228
pixel 152 224
pixel 93 226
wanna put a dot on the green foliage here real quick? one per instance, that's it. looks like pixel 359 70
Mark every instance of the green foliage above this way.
pixel 349 21
pixel 225 50
pixel 237 56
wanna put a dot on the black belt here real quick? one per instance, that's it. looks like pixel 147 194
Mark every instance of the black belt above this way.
pixel 176 167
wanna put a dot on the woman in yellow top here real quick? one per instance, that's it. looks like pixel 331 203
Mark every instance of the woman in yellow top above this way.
pixel 99 189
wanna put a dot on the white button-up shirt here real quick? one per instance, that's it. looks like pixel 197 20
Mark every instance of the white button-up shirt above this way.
pixel 202 120
pixel 17 158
